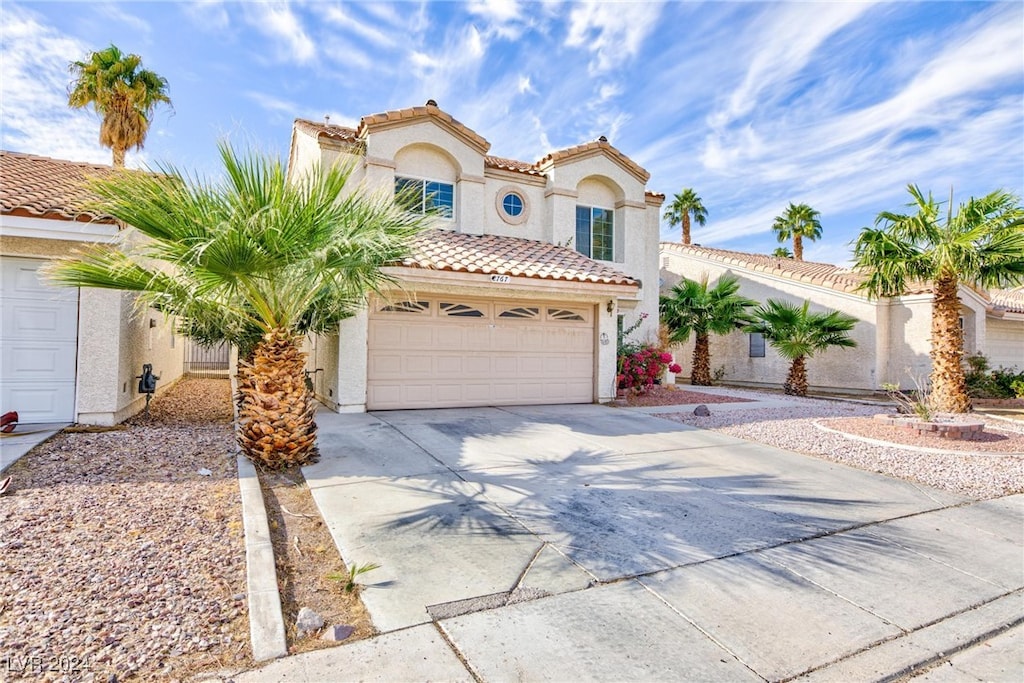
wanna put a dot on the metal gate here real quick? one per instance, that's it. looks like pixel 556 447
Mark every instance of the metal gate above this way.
pixel 207 361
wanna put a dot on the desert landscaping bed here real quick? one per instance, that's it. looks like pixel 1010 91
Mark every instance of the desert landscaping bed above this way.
pixel 984 468
pixel 311 573
pixel 121 552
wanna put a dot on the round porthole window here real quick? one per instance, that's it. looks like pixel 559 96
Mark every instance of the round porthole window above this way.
pixel 511 205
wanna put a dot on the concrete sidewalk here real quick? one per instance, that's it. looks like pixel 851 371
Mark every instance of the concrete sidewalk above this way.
pixel 589 543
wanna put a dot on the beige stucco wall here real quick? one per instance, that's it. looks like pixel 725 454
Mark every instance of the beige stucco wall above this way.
pixel 854 368
pixel 1004 343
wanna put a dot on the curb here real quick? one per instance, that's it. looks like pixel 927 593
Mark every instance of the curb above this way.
pixel 266 621
pixel 906 447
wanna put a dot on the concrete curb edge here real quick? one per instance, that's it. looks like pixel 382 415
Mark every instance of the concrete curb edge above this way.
pixel 266 620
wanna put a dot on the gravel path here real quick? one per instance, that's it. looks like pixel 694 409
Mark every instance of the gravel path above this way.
pixel 117 558
pixel 978 476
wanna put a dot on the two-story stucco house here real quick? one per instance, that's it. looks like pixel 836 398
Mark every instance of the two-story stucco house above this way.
pixel 517 297
pixel 67 354
pixel 893 335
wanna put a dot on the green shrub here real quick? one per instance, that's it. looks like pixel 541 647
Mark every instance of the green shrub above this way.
pixel 982 382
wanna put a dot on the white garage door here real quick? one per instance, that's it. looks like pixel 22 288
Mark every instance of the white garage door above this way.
pixel 452 352
pixel 38 344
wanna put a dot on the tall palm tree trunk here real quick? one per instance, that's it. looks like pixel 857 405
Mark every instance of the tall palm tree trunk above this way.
pixel 686 228
pixel 949 387
pixel 700 375
pixel 276 410
pixel 798 247
pixel 119 156
pixel 796 381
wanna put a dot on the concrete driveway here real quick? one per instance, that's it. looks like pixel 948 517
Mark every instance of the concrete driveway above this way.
pixel 593 543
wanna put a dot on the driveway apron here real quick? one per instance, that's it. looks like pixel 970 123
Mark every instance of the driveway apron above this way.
pixel 586 542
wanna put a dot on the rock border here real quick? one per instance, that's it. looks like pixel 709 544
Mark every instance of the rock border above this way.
pixel 950 426
pixel 916 449
pixel 266 620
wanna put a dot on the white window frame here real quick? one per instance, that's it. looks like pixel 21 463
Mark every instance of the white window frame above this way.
pixel 423 194
pixel 612 248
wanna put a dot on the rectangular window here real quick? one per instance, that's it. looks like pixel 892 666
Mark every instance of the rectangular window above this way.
pixel 756 345
pixel 595 232
pixel 426 196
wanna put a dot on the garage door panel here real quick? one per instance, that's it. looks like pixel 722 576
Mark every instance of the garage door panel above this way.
pixel 39 361
pixel 505 366
pixel 451 361
pixel 30 320
pixel 21 280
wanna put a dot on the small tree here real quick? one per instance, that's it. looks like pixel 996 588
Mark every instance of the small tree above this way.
pixel 798 222
pixel 982 244
pixel 253 258
pixel 692 307
pixel 782 252
pixel 120 92
pixel 684 205
pixel 797 334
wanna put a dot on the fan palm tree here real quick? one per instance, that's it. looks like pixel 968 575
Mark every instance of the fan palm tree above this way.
pixel 684 205
pixel 982 244
pixel 692 307
pixel 797 222
pixel 797 334
pixel 122 93
pixel 252 256
pixel 782 252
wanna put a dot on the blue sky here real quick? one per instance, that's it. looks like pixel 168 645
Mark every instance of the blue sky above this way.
pixel 754 105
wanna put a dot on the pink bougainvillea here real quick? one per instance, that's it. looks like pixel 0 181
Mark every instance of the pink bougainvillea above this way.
pixel 638 370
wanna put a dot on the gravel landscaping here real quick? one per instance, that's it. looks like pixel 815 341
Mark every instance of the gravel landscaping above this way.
pixel 121 552
pixel 990 474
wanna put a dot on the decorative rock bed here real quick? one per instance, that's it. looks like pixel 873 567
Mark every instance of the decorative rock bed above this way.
pixel 942 426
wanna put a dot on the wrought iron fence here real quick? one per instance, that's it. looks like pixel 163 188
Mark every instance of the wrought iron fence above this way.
pixel 207 361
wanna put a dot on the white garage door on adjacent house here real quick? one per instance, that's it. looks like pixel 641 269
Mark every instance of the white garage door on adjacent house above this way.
pixel 438 351
pixel 38 344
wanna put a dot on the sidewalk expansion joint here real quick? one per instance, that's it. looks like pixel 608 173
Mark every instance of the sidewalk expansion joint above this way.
pixel 458 653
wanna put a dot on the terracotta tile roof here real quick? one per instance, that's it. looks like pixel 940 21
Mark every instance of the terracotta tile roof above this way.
pixel 511 165
pixel 823 274
pixel 430 109
pixel 596 147
pixel 47 188
pixel 327 130
pixel 1008 300
pixel 353 135
pixel 494 254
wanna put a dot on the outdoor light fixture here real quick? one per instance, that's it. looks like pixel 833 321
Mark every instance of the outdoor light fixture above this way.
pixel 611 305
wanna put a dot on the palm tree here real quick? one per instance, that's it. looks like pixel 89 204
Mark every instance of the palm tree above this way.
pixel 684 205
pixel 692 307
pixel 253 255
pixel 122 93
pixel 797 334
pixel 782 252
pixel 982 244
pixel 798 221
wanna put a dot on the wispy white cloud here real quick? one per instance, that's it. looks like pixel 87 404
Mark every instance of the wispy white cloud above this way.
pixel 347 19
pixel 276 20
pixel 208 15
pixel 504 18
pixel 115 12
pixel 787 37
pixel 525 86
pixel 34 79
pixel 850 148
pixel 610 33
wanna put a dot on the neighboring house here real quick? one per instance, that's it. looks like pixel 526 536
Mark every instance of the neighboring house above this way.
pixel 67 355
pixel 519 295
pixel 893 335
